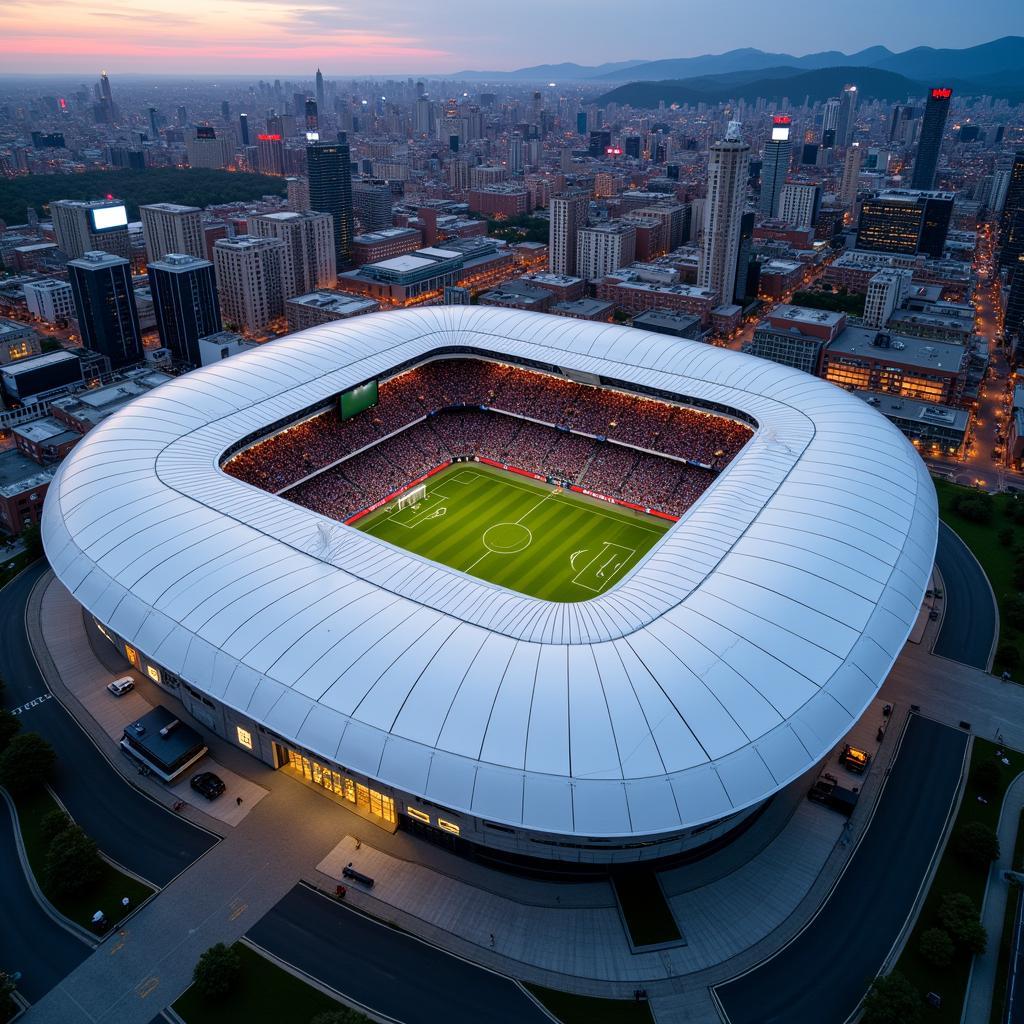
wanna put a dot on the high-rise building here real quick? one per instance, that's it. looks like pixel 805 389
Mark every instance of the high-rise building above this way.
pixel 599 141
pixel 91 225
pixel 108 320
pixel 851 175
pixel 775 165
pixel 206 148
pixel 185 304
pixel 329 167
pixel 154 124
pixel 847 117
pixel 799 204
pixel 568 213
pixel 829 122
pixel 1011 226
pixel 312 117
pixel 298 194
pixel 270 153
pixel 250 275
pixel 1013 320
pixel 905 221
pixel 930 143
pixel 604 248
pixel 308 262
pixel 728 163
pixel 886 290
pixel 516 163
pixel 320 96
pixel 168 227
pixel 243 129
pixel 372 204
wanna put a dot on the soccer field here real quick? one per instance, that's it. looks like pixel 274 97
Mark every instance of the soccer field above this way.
pixel 519 533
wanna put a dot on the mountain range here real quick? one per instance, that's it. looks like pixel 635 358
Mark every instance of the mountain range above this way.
pixel 1000 57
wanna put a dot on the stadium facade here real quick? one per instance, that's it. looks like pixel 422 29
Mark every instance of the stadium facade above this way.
pixel 644 723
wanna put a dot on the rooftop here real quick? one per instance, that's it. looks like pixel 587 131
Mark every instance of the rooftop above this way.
pixel 333 301
pixel 171 208
pixel 19 473
pixel 920 352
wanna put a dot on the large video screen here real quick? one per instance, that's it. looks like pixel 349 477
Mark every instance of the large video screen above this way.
pixel 358 399
pixel 105 218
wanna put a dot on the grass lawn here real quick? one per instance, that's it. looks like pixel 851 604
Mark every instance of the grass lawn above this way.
pixel 265 992
pixel 1006 938
pixel 573 1009
pixel 995 559
pixel 952 875
pixel 645 908
pixel 107 892
pixel 519 533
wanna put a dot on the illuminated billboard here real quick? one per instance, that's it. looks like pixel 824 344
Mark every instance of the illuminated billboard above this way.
pixel 107 218
pixel 780 128
pixel 941 94
pixel 312 136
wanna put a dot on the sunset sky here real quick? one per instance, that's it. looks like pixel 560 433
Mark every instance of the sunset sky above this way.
pixel 439 36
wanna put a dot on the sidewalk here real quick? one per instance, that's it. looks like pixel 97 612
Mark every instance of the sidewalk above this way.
pixel 981 984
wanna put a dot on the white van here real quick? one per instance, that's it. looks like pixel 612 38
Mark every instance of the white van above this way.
pixel 119 687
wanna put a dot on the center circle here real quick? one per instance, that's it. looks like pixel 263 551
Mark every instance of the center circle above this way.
pixel 507 538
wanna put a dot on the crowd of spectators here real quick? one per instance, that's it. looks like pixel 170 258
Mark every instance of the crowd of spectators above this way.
pixel 435 412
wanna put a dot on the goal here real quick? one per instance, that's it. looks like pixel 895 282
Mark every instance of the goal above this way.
pixel 411 496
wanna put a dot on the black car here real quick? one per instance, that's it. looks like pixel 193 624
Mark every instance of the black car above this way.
pixel 209 785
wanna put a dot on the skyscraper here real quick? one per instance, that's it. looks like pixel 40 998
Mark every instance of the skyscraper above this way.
pixel 851 175
pixel 847 115
pixel 270 153
pixel 329 168
pixel 604 248
pixel 935 113
pixel 829 123
pixel 1011 224
pixel 185 303
pixel 108 320
pixel 799 204
pixel 168 227
pixel 775 165
pixel 1013 321
pixel 243 129
pixel 249 278
pixel 728 164
pixel 320 104
pixel 905 221
pixel 568 215
pixel 88 225
pixel 515 154
pixel 308 261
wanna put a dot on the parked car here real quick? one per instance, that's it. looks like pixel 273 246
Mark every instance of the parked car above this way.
pixel 119 687
pixel 207 784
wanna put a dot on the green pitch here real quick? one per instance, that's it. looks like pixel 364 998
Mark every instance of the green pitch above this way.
pixel 519 533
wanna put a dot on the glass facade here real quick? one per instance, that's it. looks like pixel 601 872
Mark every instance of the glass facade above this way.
pixel 368 801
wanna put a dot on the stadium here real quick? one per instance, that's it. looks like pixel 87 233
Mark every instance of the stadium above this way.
pixel 539 588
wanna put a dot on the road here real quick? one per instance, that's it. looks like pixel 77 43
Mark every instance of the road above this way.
pixel 969 622
pixel 823 974
pixel 387 969
pixel 30 941
pixel 128 826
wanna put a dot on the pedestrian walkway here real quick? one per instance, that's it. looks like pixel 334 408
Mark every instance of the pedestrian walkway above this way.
pixel 981 986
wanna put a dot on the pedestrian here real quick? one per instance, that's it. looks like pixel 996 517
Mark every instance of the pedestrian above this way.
pixel 238 801
pixel 492 940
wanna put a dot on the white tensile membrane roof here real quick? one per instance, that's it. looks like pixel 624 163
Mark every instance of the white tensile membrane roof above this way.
pixel 737 653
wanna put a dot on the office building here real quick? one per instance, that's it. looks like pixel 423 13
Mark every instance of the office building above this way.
pixel 728 164
pixel 250 280
pixel 905 221
pixel 775 166
pixel 604 248
pixel 206 148
pixel 886 290
pixel 799 204
pixel 1013 319
pixel 851 175
pixel 599 141
pixel 568 214
pixel 185 303
pixel 374 246
pixel 1011 223
pixel 329 170
pixel 243 129
pixel 108 319
pixel 516 163
pixel 847 116
pixel 795 336
pixel 50 300
pixel 308 258
pixel 930 143
pixel 270 153
pixel 372 204
pixel 319 307
pixel 91 225
pixel 168 227
pixel 298 194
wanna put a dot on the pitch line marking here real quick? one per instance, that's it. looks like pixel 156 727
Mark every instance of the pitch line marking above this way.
pixel 612 566
pixel 575 555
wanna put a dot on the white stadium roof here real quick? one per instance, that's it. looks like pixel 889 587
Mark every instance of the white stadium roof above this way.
pixel 733 658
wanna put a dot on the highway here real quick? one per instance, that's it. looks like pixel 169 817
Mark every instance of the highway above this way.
pixel 380 967
pixel 823 974
pixel 969 621
pixel 128 826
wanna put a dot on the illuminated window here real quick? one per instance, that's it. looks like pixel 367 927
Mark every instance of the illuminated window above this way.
pixel 245 738
pixel 132 655
pixel 448 826
pixel 418 815
pixel 153 672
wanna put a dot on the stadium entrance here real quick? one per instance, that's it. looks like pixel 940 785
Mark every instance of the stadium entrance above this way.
pixel 367 802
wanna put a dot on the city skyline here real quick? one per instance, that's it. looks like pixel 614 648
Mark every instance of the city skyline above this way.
pixel 261 36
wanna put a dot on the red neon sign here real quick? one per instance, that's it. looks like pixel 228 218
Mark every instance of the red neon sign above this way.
pixel 941 94
pixel 613 151
pixel 782 119
pixel 269 138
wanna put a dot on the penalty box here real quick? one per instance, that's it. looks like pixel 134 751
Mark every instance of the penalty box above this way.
pixel 602 570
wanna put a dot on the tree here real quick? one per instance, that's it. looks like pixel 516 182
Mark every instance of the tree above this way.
pixel 959 916
pixel 217 972
pixel 1008 655
pixel 1018 572
pixel 974 506
pixel 977 845
pixel 9 726
pixel 342 1015
pixel 937 947
pixel 892 1000
pixel 72 862
pixel 1013 611
pixel 33 541
pixel 52 824
pixel 1006 537
pixel 987 776
pixel 26 763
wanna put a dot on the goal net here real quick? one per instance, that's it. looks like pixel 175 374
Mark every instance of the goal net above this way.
pixel 412 496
